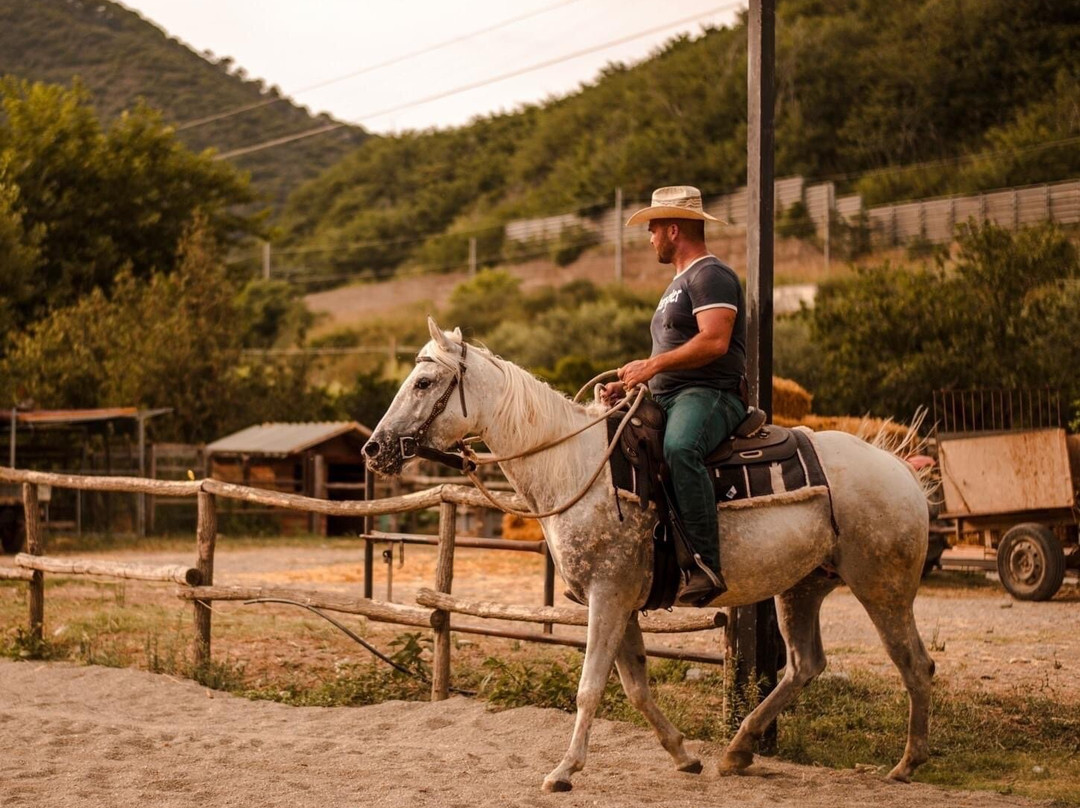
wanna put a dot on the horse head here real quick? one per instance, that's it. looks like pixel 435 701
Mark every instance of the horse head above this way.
pixel 429 410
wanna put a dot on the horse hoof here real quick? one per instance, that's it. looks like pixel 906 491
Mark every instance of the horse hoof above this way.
pixel 735 762
pixel 553 786
pixel 693 767
pixel 899 775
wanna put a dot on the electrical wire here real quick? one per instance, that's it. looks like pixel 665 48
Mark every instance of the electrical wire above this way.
pixel 378 66
pixel 482 83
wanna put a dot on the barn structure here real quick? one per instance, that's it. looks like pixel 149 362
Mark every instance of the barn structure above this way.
pixel 323 459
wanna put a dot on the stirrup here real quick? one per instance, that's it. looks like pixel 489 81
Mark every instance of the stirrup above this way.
pixel 755 419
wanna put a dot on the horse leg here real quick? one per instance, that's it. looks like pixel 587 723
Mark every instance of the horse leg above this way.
pixel 896 627
pixel 797 611
pixel 608 617
pixel 635 681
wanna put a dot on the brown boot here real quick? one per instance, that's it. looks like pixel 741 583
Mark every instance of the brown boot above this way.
pixel 702 587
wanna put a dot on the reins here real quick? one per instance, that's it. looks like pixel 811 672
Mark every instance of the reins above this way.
pixel 585 488
pixel 468 462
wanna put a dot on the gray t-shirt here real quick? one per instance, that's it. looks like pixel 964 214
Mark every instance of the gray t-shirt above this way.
pixel 705 284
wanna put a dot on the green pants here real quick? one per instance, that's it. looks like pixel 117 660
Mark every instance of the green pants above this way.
pixel 698 419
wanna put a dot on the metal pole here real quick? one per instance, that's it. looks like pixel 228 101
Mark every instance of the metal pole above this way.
pixel 266 260
pixel 829 188
pixel 752 636
pixel 140 499
pixel 369 526
pixel 472 256
pixel 14 426
pixel 618 236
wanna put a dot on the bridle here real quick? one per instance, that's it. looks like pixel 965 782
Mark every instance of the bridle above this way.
pixel 412 445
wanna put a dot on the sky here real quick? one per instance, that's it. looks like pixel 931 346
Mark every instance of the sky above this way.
pixel 295 44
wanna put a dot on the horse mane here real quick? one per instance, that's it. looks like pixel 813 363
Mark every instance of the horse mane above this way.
pixel 530 408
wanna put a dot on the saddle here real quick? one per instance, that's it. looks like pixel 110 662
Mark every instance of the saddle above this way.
pixel 756 460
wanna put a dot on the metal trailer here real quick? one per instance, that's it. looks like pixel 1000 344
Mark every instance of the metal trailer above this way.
pixel 1011 475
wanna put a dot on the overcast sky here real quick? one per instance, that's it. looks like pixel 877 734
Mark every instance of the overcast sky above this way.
pixel 298 43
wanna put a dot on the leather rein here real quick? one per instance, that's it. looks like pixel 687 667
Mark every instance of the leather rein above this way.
pixel 465 459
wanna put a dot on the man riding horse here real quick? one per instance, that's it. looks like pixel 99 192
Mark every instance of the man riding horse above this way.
pixel 696 372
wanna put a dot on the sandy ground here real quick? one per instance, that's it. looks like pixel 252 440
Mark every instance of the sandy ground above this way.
pixel 89 736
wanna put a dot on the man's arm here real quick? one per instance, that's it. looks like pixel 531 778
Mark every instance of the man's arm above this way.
pixel 715 326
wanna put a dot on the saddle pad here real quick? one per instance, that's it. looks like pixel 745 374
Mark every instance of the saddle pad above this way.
pixel 802 470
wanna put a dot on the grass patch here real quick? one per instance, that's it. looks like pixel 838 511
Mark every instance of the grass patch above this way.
pixel 1023 743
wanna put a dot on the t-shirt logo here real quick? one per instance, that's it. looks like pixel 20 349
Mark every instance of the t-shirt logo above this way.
pixel 666 299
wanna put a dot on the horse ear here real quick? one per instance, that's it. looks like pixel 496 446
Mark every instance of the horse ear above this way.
pixel 457 333
pixel 437 334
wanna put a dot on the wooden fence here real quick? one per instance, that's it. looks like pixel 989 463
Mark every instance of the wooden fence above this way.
pixel 434 605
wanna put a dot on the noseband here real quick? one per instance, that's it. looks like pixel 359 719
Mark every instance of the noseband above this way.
pixel 411 445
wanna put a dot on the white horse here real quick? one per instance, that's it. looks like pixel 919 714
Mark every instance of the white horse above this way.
pixel 770 550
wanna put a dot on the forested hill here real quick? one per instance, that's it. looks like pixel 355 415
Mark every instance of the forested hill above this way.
pixel 863 87
pixel 119 57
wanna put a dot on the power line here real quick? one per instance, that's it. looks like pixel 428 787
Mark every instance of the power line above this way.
pixel 484 82
pixel 371 68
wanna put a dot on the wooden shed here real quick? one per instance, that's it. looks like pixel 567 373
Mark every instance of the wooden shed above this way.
pixel 323 459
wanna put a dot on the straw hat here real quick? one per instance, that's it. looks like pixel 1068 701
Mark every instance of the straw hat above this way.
pixel 673 202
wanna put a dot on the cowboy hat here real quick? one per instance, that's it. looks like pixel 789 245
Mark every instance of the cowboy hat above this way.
pixel 673 202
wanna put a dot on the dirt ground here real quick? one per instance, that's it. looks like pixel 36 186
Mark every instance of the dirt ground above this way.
pixel 90 736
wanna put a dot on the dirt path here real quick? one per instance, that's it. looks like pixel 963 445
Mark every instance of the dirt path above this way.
pixel 90 736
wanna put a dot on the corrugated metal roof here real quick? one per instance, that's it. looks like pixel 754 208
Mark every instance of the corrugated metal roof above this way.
pixel 79 416
pixel 284 439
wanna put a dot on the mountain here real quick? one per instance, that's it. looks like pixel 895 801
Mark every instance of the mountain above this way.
pixel 121 57
pixel 897 100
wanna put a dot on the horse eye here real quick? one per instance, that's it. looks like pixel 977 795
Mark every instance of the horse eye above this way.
pixel 423 384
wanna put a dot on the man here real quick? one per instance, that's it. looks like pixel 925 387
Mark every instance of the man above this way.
pixel 696 371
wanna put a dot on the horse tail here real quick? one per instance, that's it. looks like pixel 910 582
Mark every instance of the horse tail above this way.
pixel 905 441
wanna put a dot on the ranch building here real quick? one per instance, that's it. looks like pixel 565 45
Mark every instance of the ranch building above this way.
pixel 322 460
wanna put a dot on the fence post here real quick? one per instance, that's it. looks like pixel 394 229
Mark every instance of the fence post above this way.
pixel 35 545
pixel 549 583
pixel 205 538
pixel 440 620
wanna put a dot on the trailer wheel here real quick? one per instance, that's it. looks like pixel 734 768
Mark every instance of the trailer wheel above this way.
pixel 1031 562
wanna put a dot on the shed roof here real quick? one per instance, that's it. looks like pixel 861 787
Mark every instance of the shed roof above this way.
pixel 281 440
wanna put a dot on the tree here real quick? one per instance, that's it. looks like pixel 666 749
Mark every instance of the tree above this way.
pixel 1005 314
pixel 96 202
pixel 172 340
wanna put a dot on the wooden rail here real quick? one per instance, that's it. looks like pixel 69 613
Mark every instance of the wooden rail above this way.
pixel 653 623
pixel 113 569
pixel 331 602
pixel 16 574
pixel 437 605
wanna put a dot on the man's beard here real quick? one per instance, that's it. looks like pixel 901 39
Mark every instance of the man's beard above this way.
pixel 665 253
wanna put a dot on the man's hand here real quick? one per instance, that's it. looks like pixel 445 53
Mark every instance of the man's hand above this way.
pixel 637 372
pixel 612 392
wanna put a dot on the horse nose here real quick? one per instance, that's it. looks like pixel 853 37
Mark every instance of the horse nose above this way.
pixel 371 449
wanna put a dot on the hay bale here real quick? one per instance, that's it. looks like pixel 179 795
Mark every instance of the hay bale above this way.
pixel 864 427
pixel 790 399
pixel 518 528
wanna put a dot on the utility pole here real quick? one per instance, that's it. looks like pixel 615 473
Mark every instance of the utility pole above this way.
pixel 753 638
pixel 829 189
pixel 618 236
pixel 266 260
pixel 472 256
